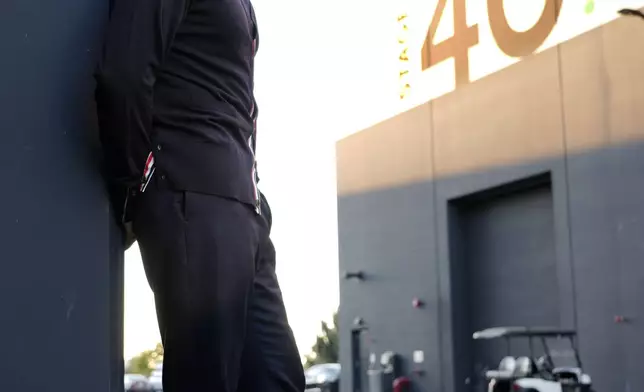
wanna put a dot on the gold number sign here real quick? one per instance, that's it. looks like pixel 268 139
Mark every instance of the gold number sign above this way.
pixel 512 43
pixel 521 43
pixel 456 46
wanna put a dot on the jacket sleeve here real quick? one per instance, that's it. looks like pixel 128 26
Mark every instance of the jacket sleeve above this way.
pixel 139 34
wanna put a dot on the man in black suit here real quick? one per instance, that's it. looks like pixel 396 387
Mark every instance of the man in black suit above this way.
pixel 177 120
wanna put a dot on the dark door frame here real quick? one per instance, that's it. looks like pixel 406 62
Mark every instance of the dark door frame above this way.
pixel 356 359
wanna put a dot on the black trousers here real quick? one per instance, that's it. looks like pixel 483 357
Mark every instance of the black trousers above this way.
pixel 211 265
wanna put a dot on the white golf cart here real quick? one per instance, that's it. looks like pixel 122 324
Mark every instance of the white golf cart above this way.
pixel 529 374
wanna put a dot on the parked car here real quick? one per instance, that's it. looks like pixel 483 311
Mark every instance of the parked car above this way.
pixel 323 378
pixel 528 374
pixel 136 383
pixel 155 379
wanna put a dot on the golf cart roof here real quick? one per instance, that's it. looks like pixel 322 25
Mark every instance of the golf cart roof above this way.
pixel 523 332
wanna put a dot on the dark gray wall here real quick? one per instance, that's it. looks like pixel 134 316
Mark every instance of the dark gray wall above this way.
pixel 60 266
pixel 398 258
pixel 588 93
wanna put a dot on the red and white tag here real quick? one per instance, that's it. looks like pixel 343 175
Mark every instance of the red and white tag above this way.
pixel 148 171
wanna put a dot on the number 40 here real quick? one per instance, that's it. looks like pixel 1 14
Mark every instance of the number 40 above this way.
pixel 512 43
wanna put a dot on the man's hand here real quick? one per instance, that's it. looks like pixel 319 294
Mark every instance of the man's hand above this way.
pixel 128 235
pixel 122 210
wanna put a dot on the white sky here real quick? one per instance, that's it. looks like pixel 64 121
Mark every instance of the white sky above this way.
pixel 326 69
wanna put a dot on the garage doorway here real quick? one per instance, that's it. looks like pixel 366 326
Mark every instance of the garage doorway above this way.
pixel 503 270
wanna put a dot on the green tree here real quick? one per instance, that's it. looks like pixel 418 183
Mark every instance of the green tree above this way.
pixel 325 349
pixel 145 362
